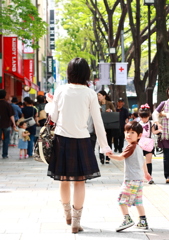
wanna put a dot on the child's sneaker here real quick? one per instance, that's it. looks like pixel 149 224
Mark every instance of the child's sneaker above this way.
pixel 142 223
pixel 20 157
pixel 26 156
pixel 128 222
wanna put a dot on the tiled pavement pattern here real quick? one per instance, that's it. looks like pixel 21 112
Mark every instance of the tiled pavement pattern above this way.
pixel 30 207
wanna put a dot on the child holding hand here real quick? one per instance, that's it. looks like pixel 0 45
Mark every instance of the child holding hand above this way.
pixel 134 172
pixel 23 140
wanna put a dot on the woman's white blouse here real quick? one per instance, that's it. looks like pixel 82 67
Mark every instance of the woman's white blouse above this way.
pixel 72 104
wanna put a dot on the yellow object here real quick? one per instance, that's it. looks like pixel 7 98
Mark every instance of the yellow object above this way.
pixel 26 138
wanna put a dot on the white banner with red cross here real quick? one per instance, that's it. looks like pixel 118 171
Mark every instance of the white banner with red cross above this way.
pixel 121 73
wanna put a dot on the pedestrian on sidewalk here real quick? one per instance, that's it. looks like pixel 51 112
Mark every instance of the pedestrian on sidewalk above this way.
pixel 135 166
pixel 123 112
pixel 73 158
pixel 27 112
pixel 23 140
pixel 148 129
pixel 106 106
pixel 18 114
pixel 6 120
pixel 161 118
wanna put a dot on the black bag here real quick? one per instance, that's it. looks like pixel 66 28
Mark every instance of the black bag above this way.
pixel 111 120
pixel 43 146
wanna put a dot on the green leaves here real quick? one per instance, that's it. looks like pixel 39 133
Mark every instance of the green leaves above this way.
pixel 21 18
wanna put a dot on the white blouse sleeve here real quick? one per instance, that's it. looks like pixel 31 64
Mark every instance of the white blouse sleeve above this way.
pixel 98 124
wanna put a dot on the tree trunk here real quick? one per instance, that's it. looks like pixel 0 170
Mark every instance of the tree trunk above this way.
pixel 162 50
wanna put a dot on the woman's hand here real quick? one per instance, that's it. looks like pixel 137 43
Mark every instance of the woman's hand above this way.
pixel 49 97
pixel 108 110
pixel 162 114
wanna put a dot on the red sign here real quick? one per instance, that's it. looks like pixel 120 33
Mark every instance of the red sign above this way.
pixel 29 69
pixel 10 54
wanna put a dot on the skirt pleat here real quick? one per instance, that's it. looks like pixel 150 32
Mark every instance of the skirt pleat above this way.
pixel 73 160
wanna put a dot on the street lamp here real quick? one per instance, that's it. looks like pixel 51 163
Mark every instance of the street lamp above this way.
pixel 149 88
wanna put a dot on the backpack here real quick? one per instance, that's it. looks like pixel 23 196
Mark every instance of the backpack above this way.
pixel 44 144
pixel 147 143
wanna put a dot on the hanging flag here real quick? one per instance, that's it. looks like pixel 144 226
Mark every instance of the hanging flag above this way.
pixel 121 73
pixel 104 73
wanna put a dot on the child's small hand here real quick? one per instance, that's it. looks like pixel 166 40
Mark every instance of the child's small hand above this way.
pixel 148 176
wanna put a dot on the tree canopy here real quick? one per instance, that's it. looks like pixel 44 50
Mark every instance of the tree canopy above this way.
pixel 21 17
pixel 93 26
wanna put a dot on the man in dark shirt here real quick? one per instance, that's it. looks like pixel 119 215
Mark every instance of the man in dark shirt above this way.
pixel 6 121
pixel 119 140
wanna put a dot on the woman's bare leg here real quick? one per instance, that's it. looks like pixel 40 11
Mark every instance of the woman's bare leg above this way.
pixel 79 194
pixel 65 191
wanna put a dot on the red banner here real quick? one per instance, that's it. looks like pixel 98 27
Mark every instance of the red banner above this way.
pixel 10 54
pixel 29 69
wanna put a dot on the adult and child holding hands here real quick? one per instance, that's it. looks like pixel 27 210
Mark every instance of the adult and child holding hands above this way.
pixel 73 159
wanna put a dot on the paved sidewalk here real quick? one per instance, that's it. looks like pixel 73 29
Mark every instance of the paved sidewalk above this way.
pixel 30 206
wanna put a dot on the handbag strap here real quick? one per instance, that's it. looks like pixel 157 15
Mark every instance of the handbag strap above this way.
pixel 150 129
pixel 41 152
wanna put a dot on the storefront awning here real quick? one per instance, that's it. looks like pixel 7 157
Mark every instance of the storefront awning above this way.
pixel 25 80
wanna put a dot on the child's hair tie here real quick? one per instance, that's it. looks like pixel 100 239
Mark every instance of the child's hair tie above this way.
pixel 145 106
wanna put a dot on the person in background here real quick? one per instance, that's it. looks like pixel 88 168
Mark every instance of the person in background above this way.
pixel 135 166
pixel 20 104
pixel 41 102
pixel 106 106
pixel 23 140
pixel 130 117
pixel 6 120
pixel 18 114
pixel 73 158
pixel 161 118
pixel 148 129
pixel 27 112
pixel 136 117
pixel 92 132
pixel 119 140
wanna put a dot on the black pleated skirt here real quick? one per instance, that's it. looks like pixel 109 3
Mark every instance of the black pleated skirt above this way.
pixel 72 160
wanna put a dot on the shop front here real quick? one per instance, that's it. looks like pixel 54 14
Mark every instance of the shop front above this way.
pixel 17 73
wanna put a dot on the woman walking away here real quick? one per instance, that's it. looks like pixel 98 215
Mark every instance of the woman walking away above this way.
pixel 73 158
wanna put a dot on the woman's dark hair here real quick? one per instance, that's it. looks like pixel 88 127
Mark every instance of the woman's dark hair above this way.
pixel 2 93
pixel 28 100
pixel 144 112
pixel 104 93
pixel 78 71
pixel 135 126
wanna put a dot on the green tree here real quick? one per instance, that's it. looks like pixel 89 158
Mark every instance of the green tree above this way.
pixel 107 20
pixel 21 17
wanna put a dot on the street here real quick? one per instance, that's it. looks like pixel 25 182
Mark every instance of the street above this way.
pixel 30 206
